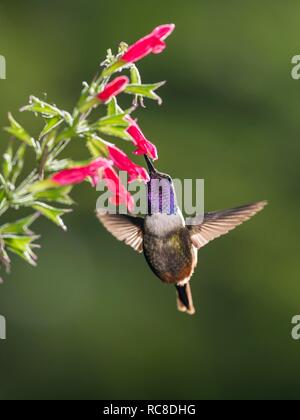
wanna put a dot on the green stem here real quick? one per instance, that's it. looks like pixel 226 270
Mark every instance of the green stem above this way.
pixel 43 162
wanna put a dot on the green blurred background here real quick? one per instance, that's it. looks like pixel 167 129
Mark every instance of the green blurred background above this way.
pixel 92 321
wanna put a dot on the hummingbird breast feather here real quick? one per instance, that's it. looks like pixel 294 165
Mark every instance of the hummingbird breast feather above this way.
pixel 169 251
pixel 161 224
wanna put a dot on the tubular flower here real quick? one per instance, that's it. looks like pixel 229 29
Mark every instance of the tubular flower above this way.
pixel 152 43
pixel 78 174
pixel 113 88
pixel 144 146
pixel 122 161
pixel 120 194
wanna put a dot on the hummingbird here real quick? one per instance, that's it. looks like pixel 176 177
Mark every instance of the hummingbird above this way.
pixel 169 245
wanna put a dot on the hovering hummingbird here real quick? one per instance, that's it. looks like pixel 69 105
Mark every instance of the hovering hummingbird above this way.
pixel 169 245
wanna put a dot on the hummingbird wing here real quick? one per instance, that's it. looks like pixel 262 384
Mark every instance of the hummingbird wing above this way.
pixel 128 229
pixel 219 223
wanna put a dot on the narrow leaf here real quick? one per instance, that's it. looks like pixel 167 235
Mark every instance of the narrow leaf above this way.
pixel 117 119
pixel 115 131
pixel 47 110
pixel 50 125
pixel 135 75
pixel 52 213
pixel 18 163
pixel 18 131
pixel 7 164
pixel 112 107
pixel 96 146
pixel 43 185
pixel 57 165
pixel 20 226
pixel 4 258
pixel 147 90
pixel 59 195
pixel 22 246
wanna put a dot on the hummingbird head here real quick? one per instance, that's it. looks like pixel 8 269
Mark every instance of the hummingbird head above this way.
pixel 161 192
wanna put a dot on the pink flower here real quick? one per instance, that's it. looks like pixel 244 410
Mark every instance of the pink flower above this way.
pixel 78 174
pixel 144 146
pixel 122 161
pixel 113 88
pixel 120 194
pixel 163 31
pixel 152 43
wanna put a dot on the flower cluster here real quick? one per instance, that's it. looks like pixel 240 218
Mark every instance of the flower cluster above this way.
pixel 96 118
pixel 152 43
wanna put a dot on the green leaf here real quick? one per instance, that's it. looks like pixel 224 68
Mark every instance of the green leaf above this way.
pixel 18 163
pixel 20 226
pixel 57 165
pixel 96 146
pixel 93 149
pixel 22 246
pixel 67 117
pixel 4 205
pixel 24 186
pixel 59 195
pixel 115 131
pixel 65 134
pixel 112 107
pixel 59 148
pixel 50 125
pixel 2 193
pixel 52 213
pixel 47 110
pixel 88 90
pixel 18 131
pixel 7 164
pixel 4 258
pixel 135 75
pixel 147 91
pixel 117 119
pixel 43 185
pixel 41 107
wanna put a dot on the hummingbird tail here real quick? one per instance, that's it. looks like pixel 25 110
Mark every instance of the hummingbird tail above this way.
pixel 184 299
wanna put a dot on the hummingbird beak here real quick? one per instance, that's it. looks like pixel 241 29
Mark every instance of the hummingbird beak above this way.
pixel 151 168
